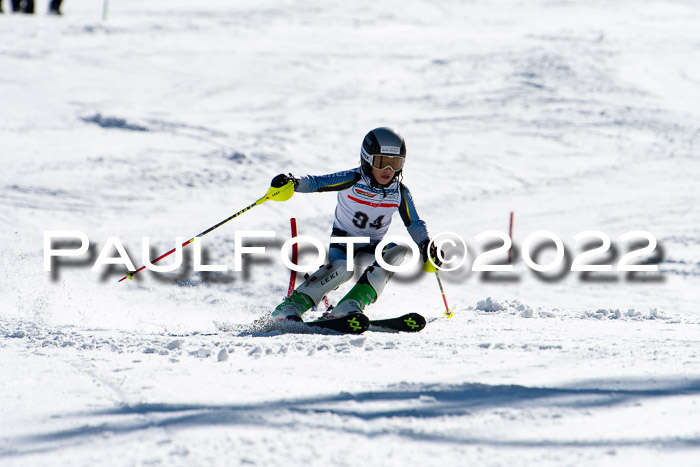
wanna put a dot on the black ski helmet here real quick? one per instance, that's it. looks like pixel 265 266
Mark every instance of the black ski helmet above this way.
pixel 381 141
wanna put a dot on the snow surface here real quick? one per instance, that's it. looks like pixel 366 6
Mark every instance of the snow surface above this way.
pixel 169 116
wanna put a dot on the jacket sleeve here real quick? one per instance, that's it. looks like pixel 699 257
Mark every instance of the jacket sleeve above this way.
pixel 332 182
pixel 415 226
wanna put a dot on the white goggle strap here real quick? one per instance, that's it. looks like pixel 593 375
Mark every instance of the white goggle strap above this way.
pixel 366 156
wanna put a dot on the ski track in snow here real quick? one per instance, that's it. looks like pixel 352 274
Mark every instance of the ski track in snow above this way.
pixel 168 117
pixel 425 402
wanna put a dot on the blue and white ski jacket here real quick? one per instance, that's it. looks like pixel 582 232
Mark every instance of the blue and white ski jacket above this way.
pixel 364 209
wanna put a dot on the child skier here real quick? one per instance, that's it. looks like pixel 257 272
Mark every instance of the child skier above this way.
pixel 368 196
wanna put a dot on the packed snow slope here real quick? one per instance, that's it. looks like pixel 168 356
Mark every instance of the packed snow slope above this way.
pixel 159 119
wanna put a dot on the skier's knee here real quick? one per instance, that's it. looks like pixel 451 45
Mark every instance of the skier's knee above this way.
pixel 378 277
pixel 394 254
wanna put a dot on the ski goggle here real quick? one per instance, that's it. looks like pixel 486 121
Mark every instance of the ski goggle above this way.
pixel 382 162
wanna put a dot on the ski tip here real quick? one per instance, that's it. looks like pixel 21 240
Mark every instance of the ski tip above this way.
pixel 355 323
pixel 411 322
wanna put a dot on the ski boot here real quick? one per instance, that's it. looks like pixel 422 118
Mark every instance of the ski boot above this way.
pixel 292 307
pixel 311 292
pixel 361 295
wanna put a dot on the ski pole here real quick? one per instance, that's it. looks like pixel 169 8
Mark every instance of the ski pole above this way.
pixel 275 194
pixel 448 312
pixel 430 267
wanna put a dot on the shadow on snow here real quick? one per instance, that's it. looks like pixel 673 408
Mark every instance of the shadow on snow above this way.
pixel 404 401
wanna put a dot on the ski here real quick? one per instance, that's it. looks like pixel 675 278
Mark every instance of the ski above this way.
pixel 411 322
pixel 355 323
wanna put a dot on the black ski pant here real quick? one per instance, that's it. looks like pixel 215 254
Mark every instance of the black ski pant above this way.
pixel 28 6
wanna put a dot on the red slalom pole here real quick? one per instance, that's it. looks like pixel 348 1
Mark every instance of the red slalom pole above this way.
pixel 295 257
pixel 510 234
